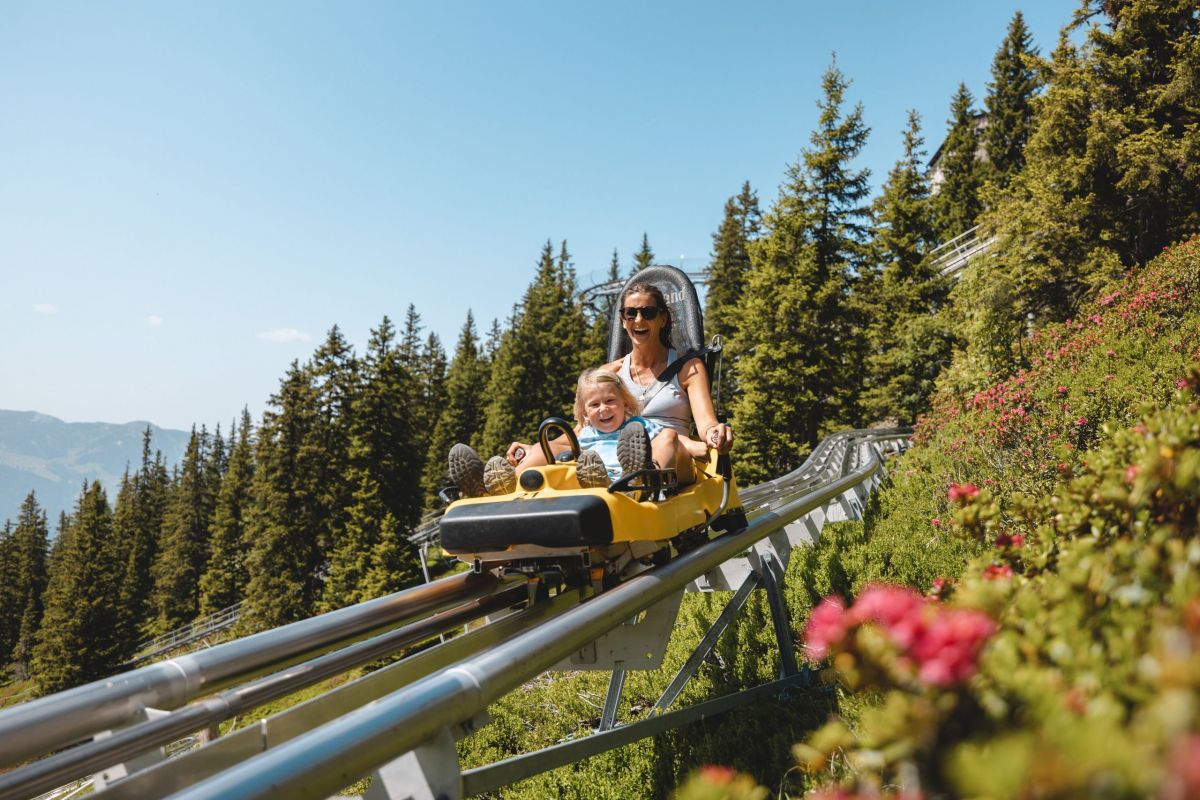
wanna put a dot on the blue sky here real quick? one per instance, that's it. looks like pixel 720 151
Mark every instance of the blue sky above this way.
pixel 191 195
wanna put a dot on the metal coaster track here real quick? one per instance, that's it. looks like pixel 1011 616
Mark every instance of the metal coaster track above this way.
pixel 399 723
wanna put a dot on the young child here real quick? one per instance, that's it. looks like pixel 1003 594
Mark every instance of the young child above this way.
pixel 613 441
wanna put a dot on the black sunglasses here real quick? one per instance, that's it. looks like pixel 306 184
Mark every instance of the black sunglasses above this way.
pixel 648 312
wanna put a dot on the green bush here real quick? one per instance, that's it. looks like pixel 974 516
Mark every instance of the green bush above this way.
pixel 1063 502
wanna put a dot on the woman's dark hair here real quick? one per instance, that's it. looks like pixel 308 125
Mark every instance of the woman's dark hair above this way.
pixel 664 335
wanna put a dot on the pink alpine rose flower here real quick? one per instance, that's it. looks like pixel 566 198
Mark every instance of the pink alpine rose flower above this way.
pixel 826 627
pixel 962 492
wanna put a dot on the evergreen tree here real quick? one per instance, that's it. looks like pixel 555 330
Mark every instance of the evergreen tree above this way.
pixel 335 376
pixel 957 201
pixel 23 564
pixel 729 269
pixel 1109 177
pixel 1009 103
pixel 539 359
pixel 462 419
pixel 138 523
pixel 909 345
pixel 125 539
pixel 11 605
pixel 286 514
pixel 492 343
pixel 79 639
pixel 183 550
pixel 797 365
pixel 218 459
pixel 432 383
pixel 601 314
pixel 225 578
pixel 644 257
pixel 384 457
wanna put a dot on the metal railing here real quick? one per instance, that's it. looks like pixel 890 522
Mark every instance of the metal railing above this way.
pixel 322 761
pixel 187 634
pixel 950 257
pixel 314 749
pixel 58 720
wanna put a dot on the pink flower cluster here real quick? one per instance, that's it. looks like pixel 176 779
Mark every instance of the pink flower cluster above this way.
pixel 1015 541
pixel 942 643
pixel 962 493
pixel 1183 769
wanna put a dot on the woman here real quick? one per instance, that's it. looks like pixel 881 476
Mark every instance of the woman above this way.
pixel 674 404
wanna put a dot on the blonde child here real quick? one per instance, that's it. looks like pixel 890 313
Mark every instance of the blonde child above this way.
pixel 613 441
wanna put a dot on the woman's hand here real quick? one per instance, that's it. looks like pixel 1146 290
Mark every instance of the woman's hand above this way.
pixel 516 453
pixel 719 436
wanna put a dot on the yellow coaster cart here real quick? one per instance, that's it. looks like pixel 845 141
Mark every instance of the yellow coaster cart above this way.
pixel 548 524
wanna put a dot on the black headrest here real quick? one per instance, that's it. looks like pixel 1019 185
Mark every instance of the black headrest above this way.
pixel 687 319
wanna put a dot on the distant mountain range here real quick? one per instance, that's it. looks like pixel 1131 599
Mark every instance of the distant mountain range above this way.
pixel 53 458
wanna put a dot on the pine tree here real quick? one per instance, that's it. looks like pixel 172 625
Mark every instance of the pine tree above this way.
pixel 644 257
pixel 1009 103
pixel 11 605
pixel 601 314
pixel 728 272
pixel 957 201
pixel 183 551
pixel 797 366
pixel 462 419
pixel 225 577
pixel 79 639
pixel 138 524
pixel 286 514
pixel 384 457
pixel 24 552
pixel 492 343
pixel 539 359
pixel 1109 177
pixel 432 381
pixel 125 537
pixel 909 346
pixel 335 376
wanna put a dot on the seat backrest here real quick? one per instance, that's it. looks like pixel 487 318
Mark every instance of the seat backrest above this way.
pixel 687 318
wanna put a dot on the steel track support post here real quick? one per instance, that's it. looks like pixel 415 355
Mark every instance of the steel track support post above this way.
pixel 772 578
pixel 428 772
pixel 707 643
pixel 608 717
pixel 148 759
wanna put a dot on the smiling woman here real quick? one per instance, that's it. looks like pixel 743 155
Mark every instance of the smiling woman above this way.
pixel 682 399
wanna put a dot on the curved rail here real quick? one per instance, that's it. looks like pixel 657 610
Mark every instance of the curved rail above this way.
pixel 54 771
pixel 61 719
pixel 327 748
pixel 327 758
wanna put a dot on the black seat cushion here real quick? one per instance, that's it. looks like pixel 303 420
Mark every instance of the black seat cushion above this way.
pixel 687 318
pixel 564 521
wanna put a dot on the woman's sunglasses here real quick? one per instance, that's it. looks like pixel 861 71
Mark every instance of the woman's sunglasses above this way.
pixel 648 312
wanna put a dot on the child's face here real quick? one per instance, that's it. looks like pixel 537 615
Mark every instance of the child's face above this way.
pixel 603 407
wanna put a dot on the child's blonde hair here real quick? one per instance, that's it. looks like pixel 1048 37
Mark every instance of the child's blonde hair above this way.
pixel 598 377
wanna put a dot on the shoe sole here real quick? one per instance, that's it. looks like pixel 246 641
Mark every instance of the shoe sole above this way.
pixel 590 471
pixel 466 470
pixel 633 450
pixel 499 477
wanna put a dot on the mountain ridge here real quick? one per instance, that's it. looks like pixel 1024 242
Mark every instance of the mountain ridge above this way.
pixel 54 458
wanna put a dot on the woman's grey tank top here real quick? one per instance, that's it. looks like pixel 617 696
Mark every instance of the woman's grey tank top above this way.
pixel 664 403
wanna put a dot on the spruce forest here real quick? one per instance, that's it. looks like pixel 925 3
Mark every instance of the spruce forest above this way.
pixel 1053 385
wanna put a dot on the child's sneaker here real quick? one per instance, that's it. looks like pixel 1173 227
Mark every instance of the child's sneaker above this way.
pixel 499 477
pixel 589 469
pixel 633 449
pixel 466 470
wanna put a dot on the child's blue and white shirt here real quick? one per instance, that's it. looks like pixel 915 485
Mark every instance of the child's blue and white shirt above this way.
pixel 606 443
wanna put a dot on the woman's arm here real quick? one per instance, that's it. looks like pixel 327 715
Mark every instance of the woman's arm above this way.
pixel 694 378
